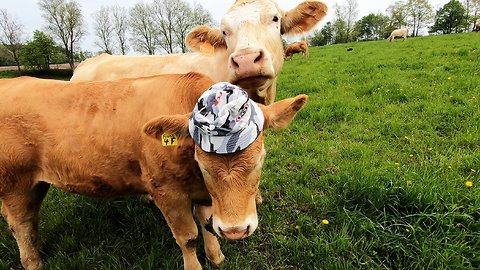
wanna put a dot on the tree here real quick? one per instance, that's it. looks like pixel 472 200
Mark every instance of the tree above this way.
pixel 324 36
pixel 201 16
pixel 142 27
pixel 372 26
pixel 344 22
pixel 11 35
pixel 450 18
pixel 103 26
pixel 419 12
pixel 38 53
pixel 65 22
pixel 473 12
pixel 120 27
pixel 397 13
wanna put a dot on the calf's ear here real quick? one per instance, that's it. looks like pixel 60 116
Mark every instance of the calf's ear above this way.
pixel 204 36
pixel 281 113
pixel 167 124
pixel 303 18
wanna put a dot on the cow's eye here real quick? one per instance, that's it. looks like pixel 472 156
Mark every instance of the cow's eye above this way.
pixel 275 18
pixel 224 33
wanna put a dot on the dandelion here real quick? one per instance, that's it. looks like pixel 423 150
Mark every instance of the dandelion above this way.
pixel 406 138
pixel 473 170
pixel 325 222
pixel 407 230
pixel 430 149
pixel 449 78
pixel 450 167
pixel 297 227
pixel 469 184
pixel 409 183
pixel 397 164
pixel 411 155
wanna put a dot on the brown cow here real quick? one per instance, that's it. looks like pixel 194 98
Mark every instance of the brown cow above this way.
pixel 297 47
pixel 104 139
pixel 247 50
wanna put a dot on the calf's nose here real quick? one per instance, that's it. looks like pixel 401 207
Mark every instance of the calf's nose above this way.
pixel 235 233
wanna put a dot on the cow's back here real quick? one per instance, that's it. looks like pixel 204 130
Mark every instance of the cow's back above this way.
pixel 86 137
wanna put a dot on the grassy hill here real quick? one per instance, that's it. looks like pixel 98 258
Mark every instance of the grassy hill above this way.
pixel 383 152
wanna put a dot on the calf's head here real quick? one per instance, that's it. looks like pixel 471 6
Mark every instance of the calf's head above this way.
pixel 227 129
pixel 251 34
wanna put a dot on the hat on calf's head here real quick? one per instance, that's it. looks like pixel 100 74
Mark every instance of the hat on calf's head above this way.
pixel 225 120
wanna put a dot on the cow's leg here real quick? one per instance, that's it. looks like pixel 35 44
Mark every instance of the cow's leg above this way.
pixel 210 241
pixel 177 210
pixel 21 210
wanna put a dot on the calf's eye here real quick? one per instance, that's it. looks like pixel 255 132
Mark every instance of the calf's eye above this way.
pixel 275 18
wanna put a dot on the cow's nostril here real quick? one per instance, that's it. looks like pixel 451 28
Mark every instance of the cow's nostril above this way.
pixel 235 64
pixel 248 230
pixel 259 57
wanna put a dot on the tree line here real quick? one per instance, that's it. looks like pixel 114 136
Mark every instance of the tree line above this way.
pixel 453 17
pixel 159 26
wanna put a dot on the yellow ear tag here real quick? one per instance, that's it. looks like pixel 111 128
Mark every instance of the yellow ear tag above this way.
pixel 207 48
pixel 169 139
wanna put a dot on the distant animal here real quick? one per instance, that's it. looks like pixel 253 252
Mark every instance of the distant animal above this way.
pixel 131 136
pixel 297 47
pixel 403 33
pixel 477 27
pixel 349 49
pixel 246 50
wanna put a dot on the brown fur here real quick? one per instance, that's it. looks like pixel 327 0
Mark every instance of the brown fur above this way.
pixel 102 139
pixel 297 47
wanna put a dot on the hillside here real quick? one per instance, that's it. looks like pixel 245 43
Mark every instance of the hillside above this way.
pixel 374 173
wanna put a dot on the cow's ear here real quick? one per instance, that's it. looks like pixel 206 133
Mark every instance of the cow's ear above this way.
pixel 168 124
pixel 303 18
pixel 281 113
pixel 205 36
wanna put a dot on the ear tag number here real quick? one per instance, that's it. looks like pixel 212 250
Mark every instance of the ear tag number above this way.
pixel 169 139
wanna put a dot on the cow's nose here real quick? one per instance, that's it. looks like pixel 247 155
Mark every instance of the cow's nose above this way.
pixel 248 64
pixel 235 233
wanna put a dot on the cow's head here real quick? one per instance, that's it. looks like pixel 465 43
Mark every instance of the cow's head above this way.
pixel 232 179
pixel 251 33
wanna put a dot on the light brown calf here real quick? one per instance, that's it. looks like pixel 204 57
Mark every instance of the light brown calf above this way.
pixel 297 47
pixel 104 139
pixel 246 50
pixel 476 28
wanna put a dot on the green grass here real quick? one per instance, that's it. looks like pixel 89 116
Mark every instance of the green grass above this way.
pixel 383 149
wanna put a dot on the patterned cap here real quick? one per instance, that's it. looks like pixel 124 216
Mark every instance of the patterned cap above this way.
pixel 225 120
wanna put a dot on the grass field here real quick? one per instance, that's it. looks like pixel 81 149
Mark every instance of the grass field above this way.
pixel 383 152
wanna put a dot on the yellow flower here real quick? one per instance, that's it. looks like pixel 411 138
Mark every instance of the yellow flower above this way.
pixel 407 230
pixel 396 163
pixel 411 155
pixel 409 183
pixel 449 78
pixel 473 170
pixel 325 222
pixel 297 227
pixel 469 184
pixel 430 149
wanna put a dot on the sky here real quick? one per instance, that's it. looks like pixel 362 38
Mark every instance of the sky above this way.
pixel 29 15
